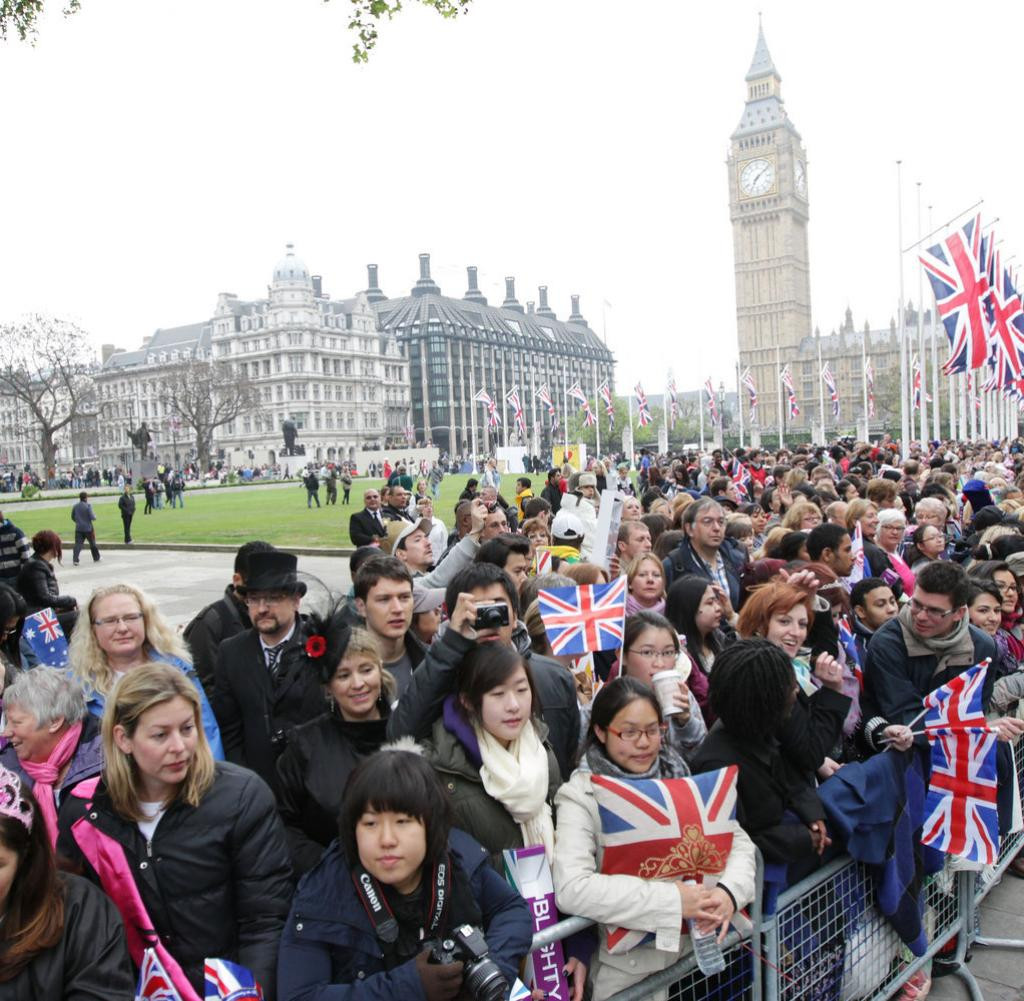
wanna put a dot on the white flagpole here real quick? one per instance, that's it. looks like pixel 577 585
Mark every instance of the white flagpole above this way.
pixel 739 401
pixel 901 325
pixel 821 396
pixel 629 421
pixel 935 368
pixel 778 388
pixel 700 413
pixel 472 411
pixel 597 413
pixel 920 330
pixel 565 408
pixel 864 383
pixel 664 409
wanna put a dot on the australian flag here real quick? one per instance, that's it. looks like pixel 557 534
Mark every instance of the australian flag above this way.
pixel 46 638
pixel 961 815
pixel 227 981
pixel 580 619
pixel 671 829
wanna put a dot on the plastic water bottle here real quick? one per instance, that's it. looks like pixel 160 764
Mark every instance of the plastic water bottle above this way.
pixel 705 946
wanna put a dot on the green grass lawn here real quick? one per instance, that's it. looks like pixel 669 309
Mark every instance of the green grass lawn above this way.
pixel 230 517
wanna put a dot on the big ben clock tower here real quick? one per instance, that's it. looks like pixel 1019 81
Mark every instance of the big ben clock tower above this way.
pixel 769 212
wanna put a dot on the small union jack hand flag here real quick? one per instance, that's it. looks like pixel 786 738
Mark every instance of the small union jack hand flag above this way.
pixel 227 981
pixel 580 619
pixel 155 984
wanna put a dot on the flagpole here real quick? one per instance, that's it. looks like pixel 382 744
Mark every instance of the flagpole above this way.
pixel 629 421
pixel 821 395
pixel 864 383
pixel 565 409
pixel 700 414
pixel 904 399
pixel 597 412
pixel 739 401
pixel 920 330
pixel 935 371
pixel 472 410
pixel 664 408
pixel 778 382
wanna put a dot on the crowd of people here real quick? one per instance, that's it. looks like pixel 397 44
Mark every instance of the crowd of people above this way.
pixel 323 792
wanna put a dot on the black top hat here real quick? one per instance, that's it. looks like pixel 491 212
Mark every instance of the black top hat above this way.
pixel 274 571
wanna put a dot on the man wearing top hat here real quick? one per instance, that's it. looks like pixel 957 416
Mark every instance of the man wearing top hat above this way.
pixel 263 681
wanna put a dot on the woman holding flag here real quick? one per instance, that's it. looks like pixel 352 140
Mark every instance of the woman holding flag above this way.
pixel 188 847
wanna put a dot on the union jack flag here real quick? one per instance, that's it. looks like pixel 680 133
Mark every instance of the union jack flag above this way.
pixel 589 617
pixel 787 380
pixel 46 638
pixel 833 390
pixel 589 417
pixel 512 399
pixel 748 381
pixel 576 392
pixel 857 573
pixel 493 417
pixel 960 283
pixel 869 375
pixel 643 410
pixel 544 395
pixel 961 813
pixel 848 641
pixel 609 407
pixel 917 385
pixel 1006 315
pixel 154 982
pixel 227 981
pixel 673 410
pixel 741 477
pixel 712 405
pixel 670 829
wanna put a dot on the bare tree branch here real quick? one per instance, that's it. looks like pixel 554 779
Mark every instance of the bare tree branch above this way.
pixel 46 366
pixel 207 395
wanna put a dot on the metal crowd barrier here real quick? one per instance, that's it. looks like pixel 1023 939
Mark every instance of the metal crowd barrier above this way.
pixel 827 939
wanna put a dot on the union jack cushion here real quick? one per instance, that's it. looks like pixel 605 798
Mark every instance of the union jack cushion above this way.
pixel 664 829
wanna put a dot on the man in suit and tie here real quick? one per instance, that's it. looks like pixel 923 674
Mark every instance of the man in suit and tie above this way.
pixel 367 527
pixel 263 682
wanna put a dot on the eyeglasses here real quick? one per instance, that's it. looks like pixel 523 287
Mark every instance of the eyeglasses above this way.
pixel 267 598
pixel 649 653
pixel 115 620
pixel 1008 588
pixel 632 734
pixel 933 613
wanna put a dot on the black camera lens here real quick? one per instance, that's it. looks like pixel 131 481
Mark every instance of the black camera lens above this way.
pixel 483 981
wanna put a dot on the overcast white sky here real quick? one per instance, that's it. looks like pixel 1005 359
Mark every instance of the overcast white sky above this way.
pixel 158 152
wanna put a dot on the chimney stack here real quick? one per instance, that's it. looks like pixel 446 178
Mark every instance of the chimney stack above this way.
pixel 544 309
pixel 106 350
pixel 473 293
pixel 510 296
pixel 529 307
pixel 318 286
pixel 373 292
pixel 575 316
pixel 425 285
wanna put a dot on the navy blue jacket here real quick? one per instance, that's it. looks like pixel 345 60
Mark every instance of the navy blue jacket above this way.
pixel 683 560
pixel 329 951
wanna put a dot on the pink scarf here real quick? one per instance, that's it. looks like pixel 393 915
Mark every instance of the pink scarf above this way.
pixel 633 606
pixel 45 774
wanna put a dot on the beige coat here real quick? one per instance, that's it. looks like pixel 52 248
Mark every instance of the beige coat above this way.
pixel 627 901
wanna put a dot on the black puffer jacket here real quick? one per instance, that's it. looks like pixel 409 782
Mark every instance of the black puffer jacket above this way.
pixel 89 963
pixel 313 770
pixel 215 879
pixel 37 584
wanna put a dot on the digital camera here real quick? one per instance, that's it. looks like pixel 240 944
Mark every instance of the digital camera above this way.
pixel 481 978
pixel 491 615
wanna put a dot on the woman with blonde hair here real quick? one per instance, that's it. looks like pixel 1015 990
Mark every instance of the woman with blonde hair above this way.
pixel 119 630
pixel 190 848
pixel 802 517
pixel 320 755
pixel 645 578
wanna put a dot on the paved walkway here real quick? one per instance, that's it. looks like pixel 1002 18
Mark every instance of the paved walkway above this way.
pixel 180 583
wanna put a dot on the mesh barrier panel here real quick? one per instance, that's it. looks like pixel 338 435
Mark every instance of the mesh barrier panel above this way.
pixel 1010 846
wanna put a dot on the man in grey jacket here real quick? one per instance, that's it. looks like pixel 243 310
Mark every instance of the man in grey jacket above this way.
pixel 83 517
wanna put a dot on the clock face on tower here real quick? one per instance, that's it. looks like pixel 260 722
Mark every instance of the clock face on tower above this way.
pixel 800 176
pixel 757 177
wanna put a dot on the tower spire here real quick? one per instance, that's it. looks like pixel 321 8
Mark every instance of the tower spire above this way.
pixel 761 65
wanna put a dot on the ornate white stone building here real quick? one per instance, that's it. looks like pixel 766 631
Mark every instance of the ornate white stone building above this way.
pixel 323 363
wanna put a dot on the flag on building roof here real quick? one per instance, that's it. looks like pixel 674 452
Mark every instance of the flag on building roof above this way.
pixel 960 283
pixel 589 617
pixel 962 817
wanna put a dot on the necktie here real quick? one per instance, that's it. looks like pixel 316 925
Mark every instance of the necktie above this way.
pixel 273 660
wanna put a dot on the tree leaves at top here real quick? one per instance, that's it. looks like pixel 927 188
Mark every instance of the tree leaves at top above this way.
pixel 45 371
pixel 21 17
pixel 366 14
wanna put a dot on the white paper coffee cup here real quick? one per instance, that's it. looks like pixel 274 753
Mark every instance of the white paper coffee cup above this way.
pixel 666 687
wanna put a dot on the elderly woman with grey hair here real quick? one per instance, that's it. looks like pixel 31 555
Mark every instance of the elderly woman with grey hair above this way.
pixel 53 741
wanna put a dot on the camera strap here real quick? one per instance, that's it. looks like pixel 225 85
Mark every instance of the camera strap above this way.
pixel 385 924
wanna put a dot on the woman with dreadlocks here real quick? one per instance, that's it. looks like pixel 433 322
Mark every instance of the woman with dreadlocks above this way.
pixel 753 690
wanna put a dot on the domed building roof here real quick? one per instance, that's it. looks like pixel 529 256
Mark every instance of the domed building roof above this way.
pixel 291 268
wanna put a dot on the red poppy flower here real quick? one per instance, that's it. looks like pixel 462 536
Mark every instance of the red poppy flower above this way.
pixel 316 646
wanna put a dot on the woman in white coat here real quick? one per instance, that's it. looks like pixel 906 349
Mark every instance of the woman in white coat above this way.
pixel 625 741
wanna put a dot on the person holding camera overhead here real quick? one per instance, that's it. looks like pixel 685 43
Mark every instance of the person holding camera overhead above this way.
pixel 483 607
pixel 401 906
